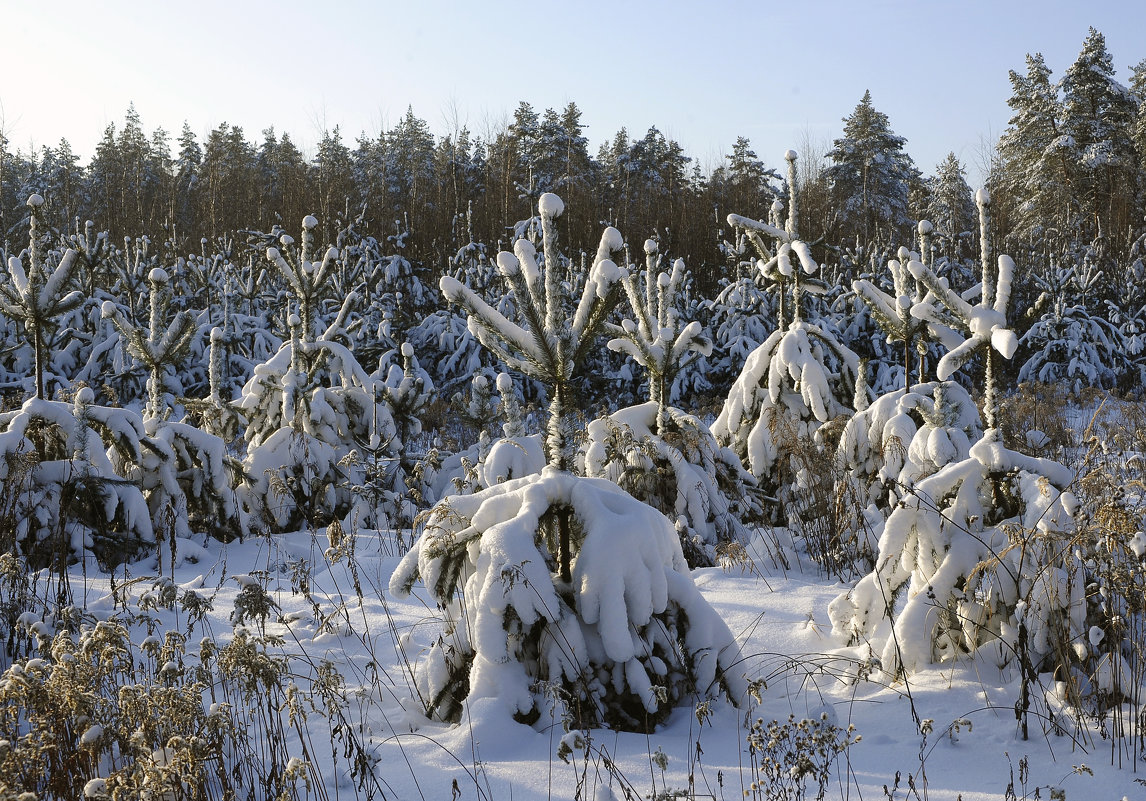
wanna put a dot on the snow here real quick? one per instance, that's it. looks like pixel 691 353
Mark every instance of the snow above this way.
pixel 550 205
pixel 778 621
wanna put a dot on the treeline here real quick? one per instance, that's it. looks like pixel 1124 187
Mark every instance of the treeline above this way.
pixel 1069 167
pixel 436 193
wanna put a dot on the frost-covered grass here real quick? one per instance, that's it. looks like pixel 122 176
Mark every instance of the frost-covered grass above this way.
pixel 283 667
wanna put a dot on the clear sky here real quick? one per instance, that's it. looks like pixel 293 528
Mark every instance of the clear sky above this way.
pixel 780 74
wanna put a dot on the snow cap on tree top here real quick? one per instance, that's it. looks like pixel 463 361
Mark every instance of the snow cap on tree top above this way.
pixel 158 276
pixel 650 247
pixel 604 275
pixel 286 240
pixel 777 205
pixel 217 334
pixel 107 309
pixel 480 382
pixel 504 383
pixel 550 205
pixel 925 227
pixel 85 397
pixel 293 320
pixel 611 240
pixel 309 222
pixel 983 197
pixel 35 201
pixel 407 349
pixel 790 155
pixel 507 264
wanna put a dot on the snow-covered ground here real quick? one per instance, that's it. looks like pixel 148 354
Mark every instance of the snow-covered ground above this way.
pixel 972 749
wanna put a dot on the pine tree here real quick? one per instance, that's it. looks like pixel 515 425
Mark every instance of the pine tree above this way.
pixel 985 323
pixel 409 171
pixel 558 334
pixel 660 454
pixel 568 581
pixel 1036 173
pixel 870 176
pixel 306 278
pixel 1138 92
pixel 801 377
pixel 658 339
pixel 742 182
pixel 228 195
pixel 976 557
pixel 39 295
pixel 525 136
pixel 1098 116
pixel 950 207
pixel 332 177
pixel 162 344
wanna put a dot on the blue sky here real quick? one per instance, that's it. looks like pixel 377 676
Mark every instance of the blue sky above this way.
pixel 780 74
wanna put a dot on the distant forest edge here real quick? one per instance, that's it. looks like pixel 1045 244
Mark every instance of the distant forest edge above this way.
pixel 1071 161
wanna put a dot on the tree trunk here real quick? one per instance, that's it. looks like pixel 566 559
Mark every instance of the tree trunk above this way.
pixel 38 340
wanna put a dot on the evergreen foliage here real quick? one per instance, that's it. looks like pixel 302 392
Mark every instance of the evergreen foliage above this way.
pixel 615 627
pixel 871 175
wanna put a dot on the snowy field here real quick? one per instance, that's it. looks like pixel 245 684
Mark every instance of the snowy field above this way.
pixel 972 749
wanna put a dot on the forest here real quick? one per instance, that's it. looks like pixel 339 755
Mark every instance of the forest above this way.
pixel 317 470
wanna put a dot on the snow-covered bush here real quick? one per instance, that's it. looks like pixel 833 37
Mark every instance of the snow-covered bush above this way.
pixel 407 390
pixel 675 465
pixel 904 436
pixel 973 556
pixel 38 295
pixel 799 379
pixel 898 313
pixel 1067 343
pixel 625 639
pixel 553 580
pixel 308 407
pixel 658 453
pixel 740 318
pixel 66 498
pixel 453 353
pixel 513 454
pixel 970 555
pixel 1127 315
